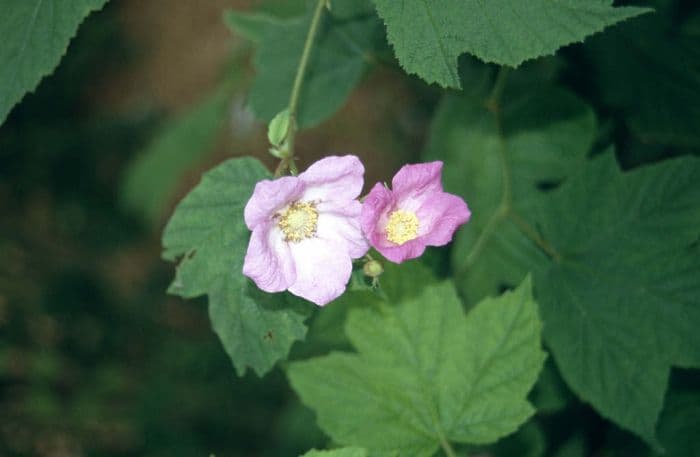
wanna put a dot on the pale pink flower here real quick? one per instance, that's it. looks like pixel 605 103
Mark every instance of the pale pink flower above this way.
pixel 306 230
pixel 416 213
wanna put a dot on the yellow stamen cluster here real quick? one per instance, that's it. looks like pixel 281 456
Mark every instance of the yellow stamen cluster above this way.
pixel 402 227
pixel 299 222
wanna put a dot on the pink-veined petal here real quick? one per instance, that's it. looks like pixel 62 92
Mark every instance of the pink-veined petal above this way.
pixel 412 181
pixel 340 221
pixel 268 261
pixel 399 253
pixel 375 212
pixel 333 178
pixel 323 269
pixel 440 216
pixel 269 197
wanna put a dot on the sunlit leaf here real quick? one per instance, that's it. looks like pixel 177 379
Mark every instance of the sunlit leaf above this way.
pixel 445 376
pixel 207 233
pixel 428 37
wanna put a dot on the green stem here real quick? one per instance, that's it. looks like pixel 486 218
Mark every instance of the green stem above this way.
pixel 494 101
pixel 485 234
pixel 505 207
pixel 298 81
pixel 447 448
pixel 535 237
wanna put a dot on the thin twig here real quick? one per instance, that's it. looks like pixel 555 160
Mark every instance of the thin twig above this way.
pixel 288 162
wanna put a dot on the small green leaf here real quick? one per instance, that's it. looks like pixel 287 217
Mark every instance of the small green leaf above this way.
pixel 573 447
pixel 208 234
pixel 152 177
pixel 251 26
pixel 444 375
pixel 278 128
pixel 35 36
pixel 339 58
pixel 344 452
pixel 428 37
pixel 550 394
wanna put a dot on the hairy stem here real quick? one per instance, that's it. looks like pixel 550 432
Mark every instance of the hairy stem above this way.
pixel 288 162
pixel 535 237
pixel 505 207
pixel 493 103
pixel 447 448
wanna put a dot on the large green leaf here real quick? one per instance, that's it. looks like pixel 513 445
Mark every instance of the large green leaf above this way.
pixel 208 233
pixel 649 72
pixel 443 376
pixel 498 162
pixel 428 37
pixel 152 177
pixel 623 302
pixel 340 56
pixel 617 282
pixel 35 35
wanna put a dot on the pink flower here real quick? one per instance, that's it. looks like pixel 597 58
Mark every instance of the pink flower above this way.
pixel 306 230
pixel 401 222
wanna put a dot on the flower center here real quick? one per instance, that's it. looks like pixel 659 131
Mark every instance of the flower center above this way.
pixel 299 221
pixel 402 227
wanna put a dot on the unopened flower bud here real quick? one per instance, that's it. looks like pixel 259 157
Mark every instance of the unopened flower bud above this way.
pixel 372 268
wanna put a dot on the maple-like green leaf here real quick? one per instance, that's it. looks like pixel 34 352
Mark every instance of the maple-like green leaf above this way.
pixel 344 452
pixel 428 37
pixel 622 304
pixel 339 58
pixel 445 376
pixel 35 36
pixel 207 232
pixel 618 296
pixel 499 165
pixel 151 178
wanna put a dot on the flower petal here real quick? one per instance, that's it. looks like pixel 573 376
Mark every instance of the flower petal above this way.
pixel 268 261
pixel 341 222
pixel 323 270
pixel 440 216
pixel 399 253
pixel 375 212
pixel 333 178
pixel 414 180
pixel 269 197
